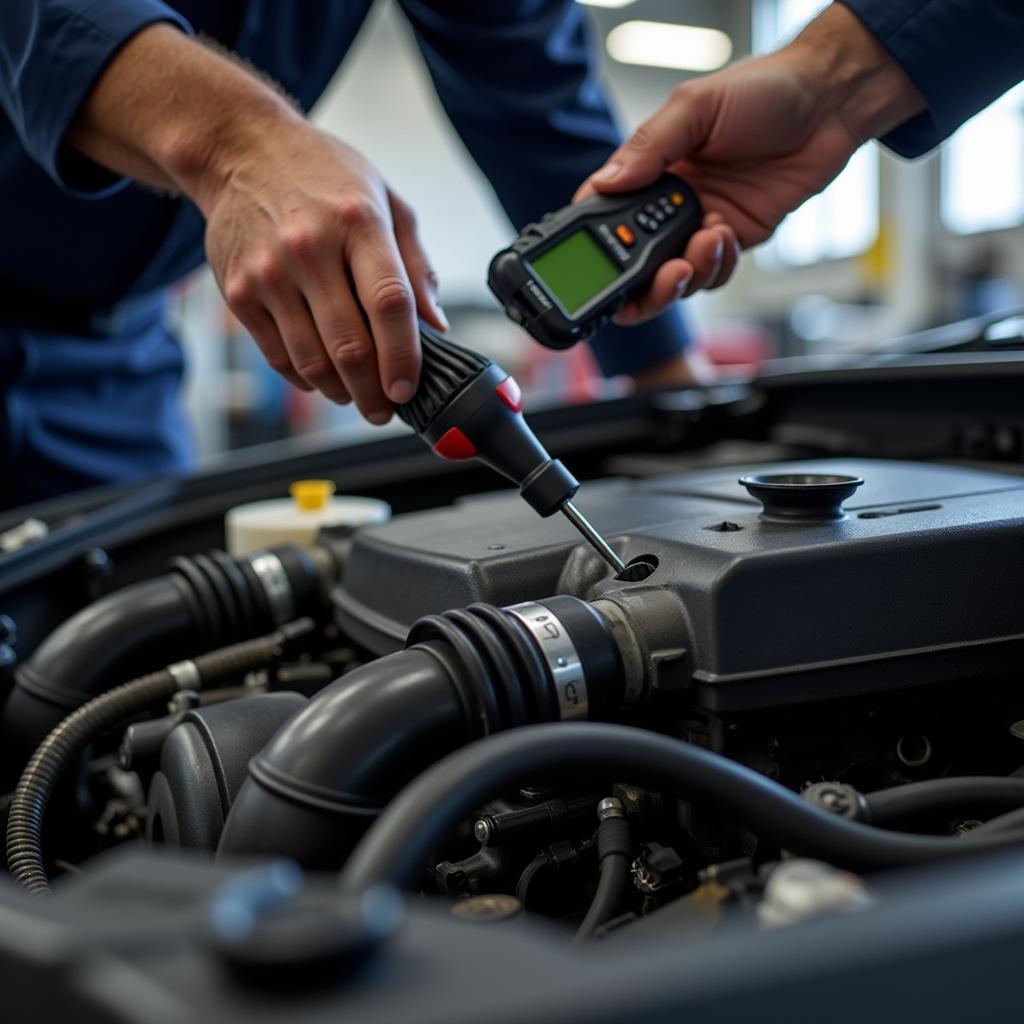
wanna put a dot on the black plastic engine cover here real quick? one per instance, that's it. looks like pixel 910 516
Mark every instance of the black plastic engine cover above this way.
pixel 919 583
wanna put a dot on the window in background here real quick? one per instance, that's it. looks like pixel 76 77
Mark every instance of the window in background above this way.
pixel 843 220
pixel 983 169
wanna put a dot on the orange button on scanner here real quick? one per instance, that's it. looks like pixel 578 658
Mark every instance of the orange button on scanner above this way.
pixel 677 198
pixel 625 236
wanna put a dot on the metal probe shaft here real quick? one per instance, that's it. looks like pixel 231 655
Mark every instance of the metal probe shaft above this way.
pixel 597 542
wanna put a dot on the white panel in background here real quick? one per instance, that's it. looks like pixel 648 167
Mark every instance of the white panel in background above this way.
pixel 983 169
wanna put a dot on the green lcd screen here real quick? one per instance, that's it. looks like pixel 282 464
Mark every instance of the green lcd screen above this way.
pixel 575 270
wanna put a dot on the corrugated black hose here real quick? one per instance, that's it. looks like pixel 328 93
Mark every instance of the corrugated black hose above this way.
pixel 66 742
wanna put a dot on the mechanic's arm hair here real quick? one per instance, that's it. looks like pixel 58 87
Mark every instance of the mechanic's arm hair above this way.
pixel 314 254
pixel 172 113
pixel 854 74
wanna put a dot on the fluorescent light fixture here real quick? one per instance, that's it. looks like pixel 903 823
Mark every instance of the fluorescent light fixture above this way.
pixel 606 3
pixel 658 44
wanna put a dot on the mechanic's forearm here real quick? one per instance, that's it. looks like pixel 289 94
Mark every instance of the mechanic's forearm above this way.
pixel 853 74
pixel 173 113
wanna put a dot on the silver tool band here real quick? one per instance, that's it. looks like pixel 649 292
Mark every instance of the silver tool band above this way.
pixel 276 586
pixel 186 675
pixel 559 652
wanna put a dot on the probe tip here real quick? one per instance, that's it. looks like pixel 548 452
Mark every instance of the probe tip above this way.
pixel 596 541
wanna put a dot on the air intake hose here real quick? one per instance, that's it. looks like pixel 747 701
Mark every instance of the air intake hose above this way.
pixel 322 780
pixel 204 602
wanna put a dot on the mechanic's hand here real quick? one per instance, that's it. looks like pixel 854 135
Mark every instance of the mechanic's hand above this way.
pixel 755 141
pixel 320 261
pixel 312 252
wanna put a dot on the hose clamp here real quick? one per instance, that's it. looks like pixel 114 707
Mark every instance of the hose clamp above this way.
pixel 186 675
pixel 558 650
pixel 276 585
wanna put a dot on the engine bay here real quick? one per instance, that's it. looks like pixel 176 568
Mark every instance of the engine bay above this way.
pixel 764 598
pixel 800 695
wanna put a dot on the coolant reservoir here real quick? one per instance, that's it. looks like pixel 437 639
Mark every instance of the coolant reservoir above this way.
pixel 296 520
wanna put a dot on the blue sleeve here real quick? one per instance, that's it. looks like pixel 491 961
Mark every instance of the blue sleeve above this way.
pixel 518 80
pixel 961 55
pixel 51 54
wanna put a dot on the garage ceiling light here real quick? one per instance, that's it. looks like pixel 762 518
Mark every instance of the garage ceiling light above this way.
pixel 606 3
pixel 659 44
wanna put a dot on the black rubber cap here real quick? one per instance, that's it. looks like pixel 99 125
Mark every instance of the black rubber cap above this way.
pixel 270 936
pixel 788 497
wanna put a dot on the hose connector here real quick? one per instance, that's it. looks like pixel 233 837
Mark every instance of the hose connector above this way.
pixel 610 807
pixel 470 672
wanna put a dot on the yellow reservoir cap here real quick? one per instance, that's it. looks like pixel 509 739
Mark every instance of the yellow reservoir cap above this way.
pixel 312 495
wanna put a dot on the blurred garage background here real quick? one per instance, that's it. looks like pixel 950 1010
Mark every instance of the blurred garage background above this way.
pixel 891 247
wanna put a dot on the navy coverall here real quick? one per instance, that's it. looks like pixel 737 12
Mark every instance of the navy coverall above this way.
pixel 961 55
pixel 90 372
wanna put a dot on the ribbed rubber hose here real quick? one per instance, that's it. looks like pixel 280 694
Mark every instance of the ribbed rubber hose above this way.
pixel 431 806
pixel 975 795
pixel 64 744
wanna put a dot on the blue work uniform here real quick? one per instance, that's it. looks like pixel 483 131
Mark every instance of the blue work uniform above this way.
pixel 961 55
pixel 90 371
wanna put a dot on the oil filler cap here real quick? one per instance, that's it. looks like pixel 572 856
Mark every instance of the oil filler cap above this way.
pixel 801 497
pixel 270 934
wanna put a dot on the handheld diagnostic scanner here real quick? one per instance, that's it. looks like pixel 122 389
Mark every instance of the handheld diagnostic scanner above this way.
pixel 565 276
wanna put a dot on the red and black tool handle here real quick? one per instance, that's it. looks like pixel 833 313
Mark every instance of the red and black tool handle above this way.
pixel 467 407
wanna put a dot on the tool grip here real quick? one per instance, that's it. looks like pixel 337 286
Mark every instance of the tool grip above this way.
pixel 467 407
pixel 447 369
